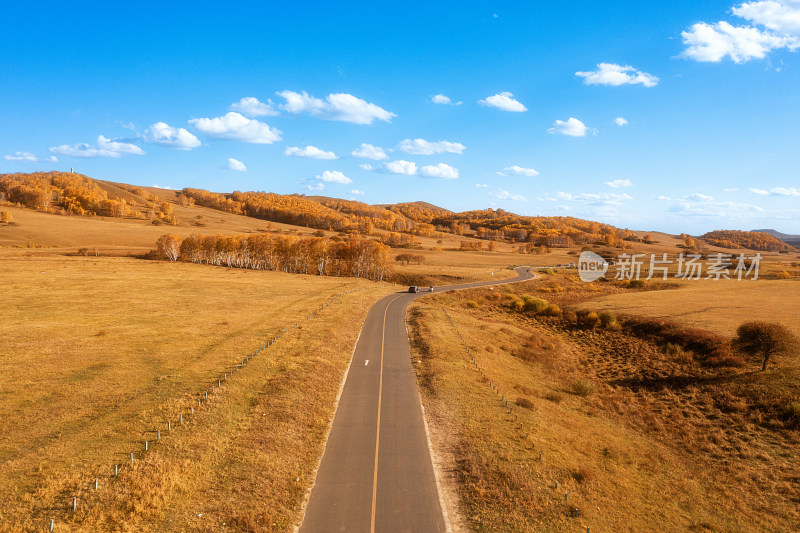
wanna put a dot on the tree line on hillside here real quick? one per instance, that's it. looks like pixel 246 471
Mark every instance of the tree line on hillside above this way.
pixel 349 216
pixel 67 193
pixel 59 191
pixel 288 209
pixel 497 224
pixel 753 240
pixel 360 258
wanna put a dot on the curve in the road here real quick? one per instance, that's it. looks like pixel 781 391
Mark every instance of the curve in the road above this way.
pixel 376 472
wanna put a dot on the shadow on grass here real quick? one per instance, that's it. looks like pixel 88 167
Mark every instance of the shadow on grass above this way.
pixel 680 382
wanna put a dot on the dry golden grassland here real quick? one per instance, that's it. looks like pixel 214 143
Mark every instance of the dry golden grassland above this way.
pixel 639 438
pixel 719 306
pixel 35 228
pixel 442 267
pixel 97 354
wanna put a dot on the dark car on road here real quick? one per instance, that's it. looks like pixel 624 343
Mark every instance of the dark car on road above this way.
pixel 413 288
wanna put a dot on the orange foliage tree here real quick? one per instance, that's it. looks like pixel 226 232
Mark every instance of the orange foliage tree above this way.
pixel 359 258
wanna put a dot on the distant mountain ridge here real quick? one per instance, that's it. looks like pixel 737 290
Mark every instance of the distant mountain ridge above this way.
pixel 753 240
pixel 793 240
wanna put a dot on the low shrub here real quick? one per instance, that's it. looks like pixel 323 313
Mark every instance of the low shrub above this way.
pixel 471 304
pixel 553 397
pixel 536 348
pixel 791 414
pixel 524 390
pixel 570 317
pixel 583 387
pixel 678 353
pixel 783 275
pixel 552 310
pixel 533 305
pixel 588 319
pixel 583 475
pixel 710 348
pixel 608 320
pixel 524 402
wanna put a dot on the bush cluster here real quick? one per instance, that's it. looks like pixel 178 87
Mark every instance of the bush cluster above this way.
pixel 712 349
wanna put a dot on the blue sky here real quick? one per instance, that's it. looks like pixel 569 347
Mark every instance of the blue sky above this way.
pixel 673 116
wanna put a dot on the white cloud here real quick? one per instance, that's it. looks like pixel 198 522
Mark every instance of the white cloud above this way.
pixel 104 148
pixel 572 127
pixel 21 156
pixel 482 185
pixel 515 170
pixel 616 184
pixel 341 107
pixel 442 171
pixel 779 22
pixel 358 192
pixel 662 197
pixel 712 209
pixel 165 187
pixel 368 151
pixel 615 75
pixel 776 191
pixel 780 16
pixel 423 147
pixel 29 157
pixel 315 187
pixel 118 146
pixel 505 195
pixel 504 101
pixel 311 152
pixel 698 197
pixel 608 198
pixel 236 127
pixel 163 134
pixel 731 189
pixel 333 176
pixel 714 42
pixel 619 121
pixel 442 99
pixel 252 107
pixel 235 164
pixel 401 167
pixel 784 191
pixel 366 166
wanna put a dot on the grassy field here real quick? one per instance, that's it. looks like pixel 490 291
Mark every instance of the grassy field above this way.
pixel 636 438
pixel 121 235
pixel 98 354
pixel 717 306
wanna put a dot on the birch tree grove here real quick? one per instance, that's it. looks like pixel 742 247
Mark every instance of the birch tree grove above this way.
pixel 360 258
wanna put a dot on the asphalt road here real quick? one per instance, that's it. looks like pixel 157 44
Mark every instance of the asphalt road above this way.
pixel 376 473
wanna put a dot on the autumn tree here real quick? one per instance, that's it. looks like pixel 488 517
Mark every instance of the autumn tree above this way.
pixel 5 217
pixel 353 257
pixel 688 241
pixel 403 258
pixel 169 246
pixel 766 340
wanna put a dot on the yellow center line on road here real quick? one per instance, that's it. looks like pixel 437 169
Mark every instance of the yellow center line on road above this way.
pixel 378 431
